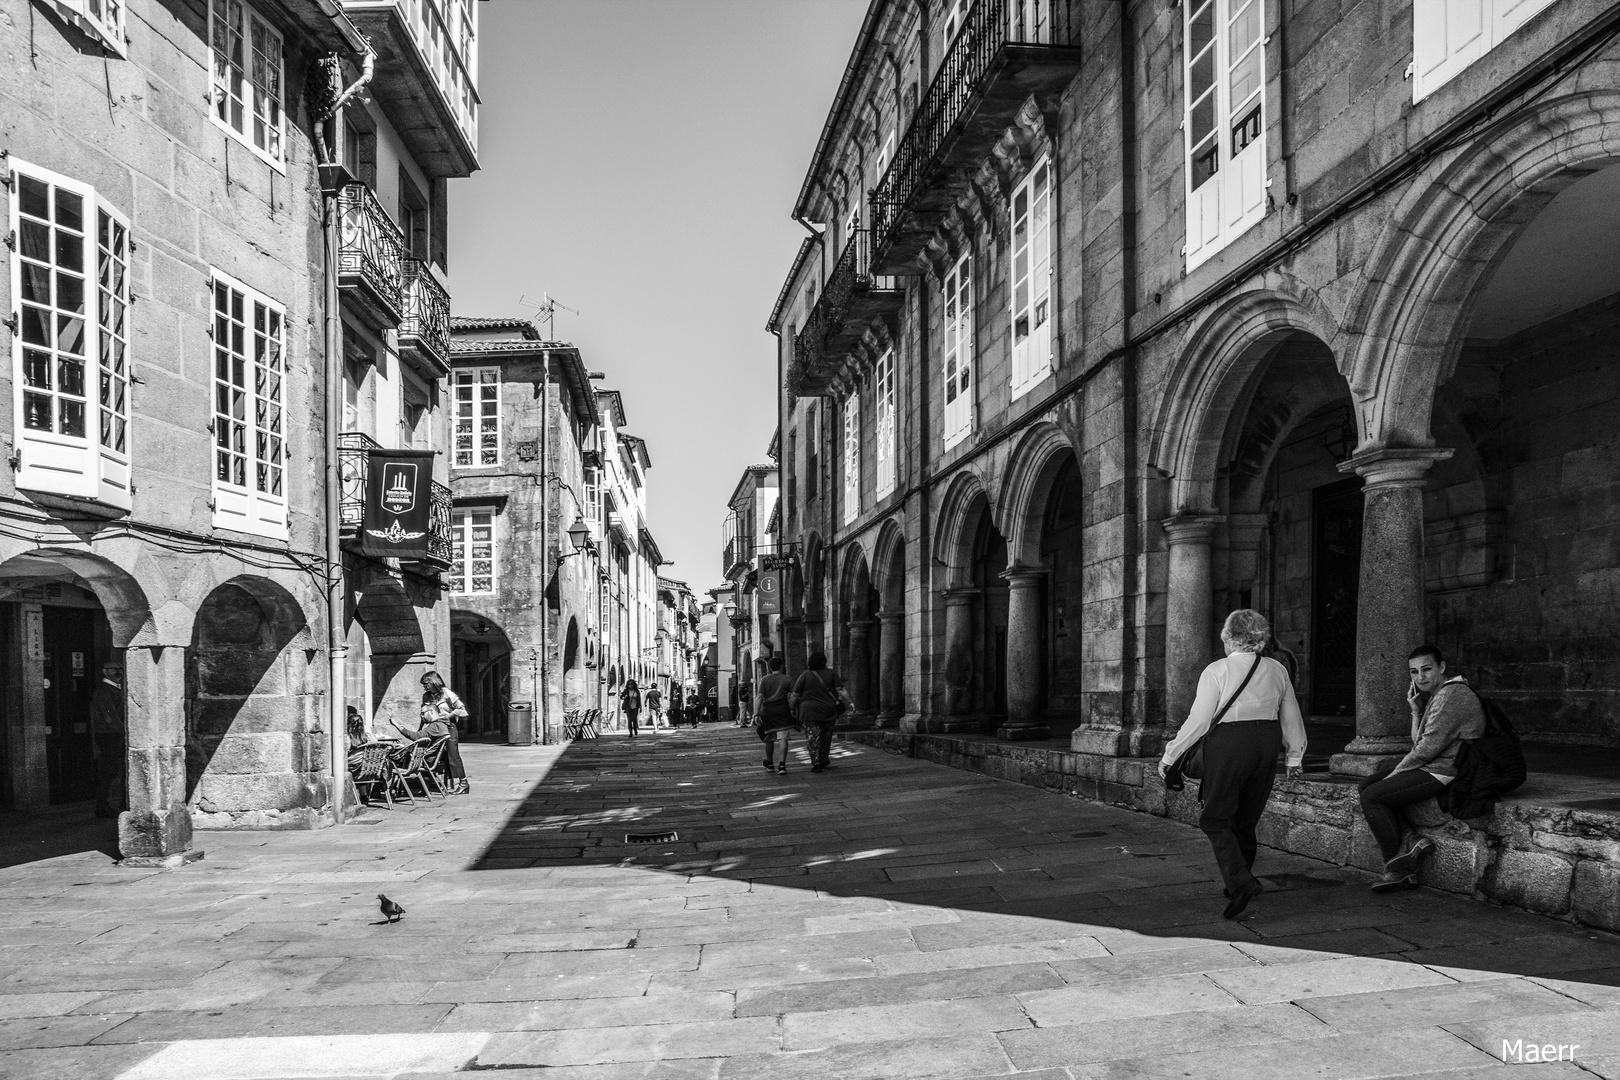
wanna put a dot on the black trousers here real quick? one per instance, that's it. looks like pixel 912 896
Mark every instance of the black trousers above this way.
pixel 452 758
pixel 1240 764
pixel 1383 796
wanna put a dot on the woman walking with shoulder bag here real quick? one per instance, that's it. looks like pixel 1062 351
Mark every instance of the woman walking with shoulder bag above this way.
pixel 775 718
pixel 818 701
pixel 1244 714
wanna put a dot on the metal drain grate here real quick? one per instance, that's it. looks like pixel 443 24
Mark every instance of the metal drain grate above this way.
pixel 650 837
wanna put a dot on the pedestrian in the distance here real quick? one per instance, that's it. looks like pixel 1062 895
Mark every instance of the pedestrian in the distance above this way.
pixel 776 721
pixel 630 702
pixel 745 700
pixel 1445 711
pixel 818 701
pixel 677 705
pixel 654 700
pixel 1246 706
pixel 714 704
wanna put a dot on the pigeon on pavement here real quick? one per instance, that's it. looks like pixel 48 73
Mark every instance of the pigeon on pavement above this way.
pixel 391 911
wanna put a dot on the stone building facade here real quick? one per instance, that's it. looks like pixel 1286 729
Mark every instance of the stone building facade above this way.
pixel 166 317
pixel 616 508
pixel 1121 316
pixel 748 540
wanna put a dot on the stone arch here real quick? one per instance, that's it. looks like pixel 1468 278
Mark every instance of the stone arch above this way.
pixel 253 755
pixel 481 669
pixel 889 567
pixel 961 512
pixel 1442 241
pixel 1212 380
pixel 854 584
pixel 130 614
pixel 1034 464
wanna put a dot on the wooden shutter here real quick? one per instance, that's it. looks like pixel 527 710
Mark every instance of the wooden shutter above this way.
pixel 852 456
pixel 1224 120
pixel 54 373
pixel 1449 35
pixel 884 454
pixel 959 350
pixel 1031 291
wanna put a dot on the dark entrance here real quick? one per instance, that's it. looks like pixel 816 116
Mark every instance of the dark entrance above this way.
pixel 1060 552
pixel 72 668
pixel 1336 511
pixel 989 562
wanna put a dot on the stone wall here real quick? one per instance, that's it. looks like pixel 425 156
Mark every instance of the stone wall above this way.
pixel 1527 853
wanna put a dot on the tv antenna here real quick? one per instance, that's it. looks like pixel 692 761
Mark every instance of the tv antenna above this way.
pixel 546 308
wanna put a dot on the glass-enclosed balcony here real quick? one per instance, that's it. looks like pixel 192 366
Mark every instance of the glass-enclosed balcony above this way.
pixel 427 77
pixel 1005 51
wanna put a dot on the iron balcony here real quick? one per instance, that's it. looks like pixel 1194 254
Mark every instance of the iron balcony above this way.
pixel 1002 55
pixel 354 461
pixel 424 332
pixel 371 254
pixel 852 299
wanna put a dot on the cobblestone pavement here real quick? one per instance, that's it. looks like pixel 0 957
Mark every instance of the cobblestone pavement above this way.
pixel 888 918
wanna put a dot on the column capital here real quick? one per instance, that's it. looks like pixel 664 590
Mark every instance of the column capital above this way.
pixel 1191 528
pixel 964 595
pixel 890 616
pixel 858 627
pixel 1024 577
pixel 1394 467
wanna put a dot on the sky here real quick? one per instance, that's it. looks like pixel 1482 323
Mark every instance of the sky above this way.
pixel 639 161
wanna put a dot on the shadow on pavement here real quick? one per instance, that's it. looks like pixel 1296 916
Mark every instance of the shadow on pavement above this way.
pixel 910 833
pixel 32 835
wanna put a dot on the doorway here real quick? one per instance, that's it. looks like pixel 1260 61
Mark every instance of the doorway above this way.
pixel 1336 511
pixel 72 668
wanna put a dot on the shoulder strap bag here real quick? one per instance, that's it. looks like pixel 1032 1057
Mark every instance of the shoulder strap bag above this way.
pixel 1190 765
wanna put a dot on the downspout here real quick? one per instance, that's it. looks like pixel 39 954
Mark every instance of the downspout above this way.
pixel 336 642
pixel 543 711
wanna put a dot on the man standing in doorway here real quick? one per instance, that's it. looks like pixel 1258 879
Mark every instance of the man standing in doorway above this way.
pixel 107 730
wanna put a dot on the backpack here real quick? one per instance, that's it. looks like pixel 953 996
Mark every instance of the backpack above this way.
pixel 1487 767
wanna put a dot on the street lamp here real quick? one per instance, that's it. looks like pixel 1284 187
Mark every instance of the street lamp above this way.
pixel 579 534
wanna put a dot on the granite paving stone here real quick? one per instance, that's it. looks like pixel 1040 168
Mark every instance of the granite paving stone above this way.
pixel 889 918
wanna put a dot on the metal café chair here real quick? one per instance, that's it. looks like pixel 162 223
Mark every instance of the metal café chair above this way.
pixel 407 762
pixel 371 768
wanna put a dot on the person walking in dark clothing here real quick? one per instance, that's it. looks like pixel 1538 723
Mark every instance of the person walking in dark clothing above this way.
pixel 776 721
pixel 1247 708
pixel 818 700
pixel 630 702
pixel 1445 711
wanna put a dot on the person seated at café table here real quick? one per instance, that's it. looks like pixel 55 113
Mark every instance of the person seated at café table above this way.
pixel 442 713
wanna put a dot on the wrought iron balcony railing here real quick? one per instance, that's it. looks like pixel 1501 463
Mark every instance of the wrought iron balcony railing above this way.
pixel 354 448
pixel 1005 51
pixel 425 329
pixel 371 253
pixel 854 296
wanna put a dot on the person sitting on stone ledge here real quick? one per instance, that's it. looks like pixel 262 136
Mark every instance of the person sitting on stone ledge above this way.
pixel 1445 711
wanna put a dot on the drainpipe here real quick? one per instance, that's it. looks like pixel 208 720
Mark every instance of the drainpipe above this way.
pixel 336 643
pixel 542 710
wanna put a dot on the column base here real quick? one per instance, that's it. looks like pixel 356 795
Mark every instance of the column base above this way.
pixel 1352 764
pixel 1105 742
pixel 154 834
pixel 184 858
pixel 1023 732
pixel 956 725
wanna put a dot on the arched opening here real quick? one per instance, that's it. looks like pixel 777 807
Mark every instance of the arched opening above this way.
pixel 857 603
pixel 1521 524
pixel 252 757
pixel 889 644
pixel 481 673
pixel 1061 536
pixel 988 692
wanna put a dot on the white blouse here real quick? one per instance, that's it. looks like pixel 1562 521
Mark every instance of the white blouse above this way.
pixel 1269 696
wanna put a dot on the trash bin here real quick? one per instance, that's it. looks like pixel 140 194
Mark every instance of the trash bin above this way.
pixel 520 724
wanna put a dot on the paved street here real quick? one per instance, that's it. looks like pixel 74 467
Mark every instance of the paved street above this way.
pixel 888 918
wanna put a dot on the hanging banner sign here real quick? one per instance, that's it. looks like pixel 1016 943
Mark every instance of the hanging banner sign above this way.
pixel 398 504
pixel 770 592
pixel 777 562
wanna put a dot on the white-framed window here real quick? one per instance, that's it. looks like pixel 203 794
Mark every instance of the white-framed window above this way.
pixel 959 359
pixel 883 455
pixel 1030 20
pixel 955 19
pixel 101 19
pixel 70 351
pixel 472 559
pixel 478 417
pixel 248 79
pixel 593 494
pixel 1031 291
pixel 250 450
pixel 885 155
pixel 852 456
pixel 1449 35
pixel 1225 122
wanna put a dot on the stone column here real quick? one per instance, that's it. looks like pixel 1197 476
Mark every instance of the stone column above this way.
pixel 1389 608
pixel 958 661
pixel 1189 613
pixel 860 673
pixel 1025 659
pixel 156 829
pixel 795 654
pixel 891 667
